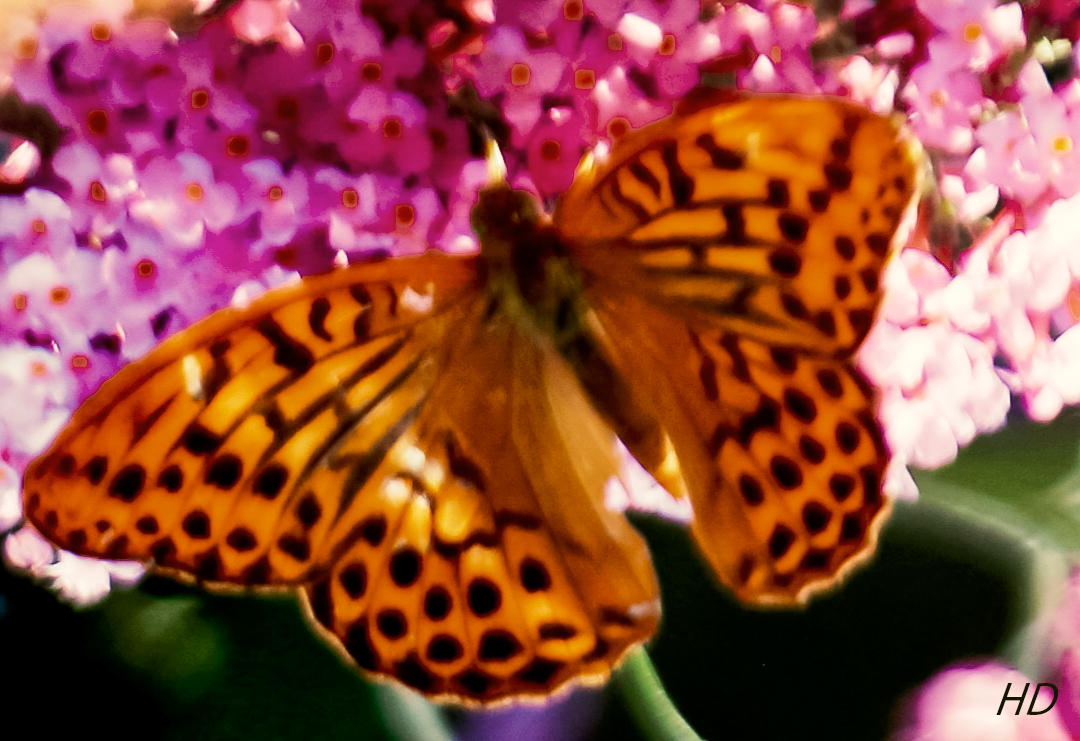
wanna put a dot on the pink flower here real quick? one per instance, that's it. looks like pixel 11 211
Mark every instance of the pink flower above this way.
pixel 636 489
pixel 1012 156
pixel 358 211
pixel 10 496
pixel 45 393
pixel 869 84
pixel 961 704
pixel 26 550
pixel 181 199
pixel 780 34
pixel 936 374
pixel 279 199
pixel 54 298
pixel 945 103
pixel 86 581
pixel 554 150
pixel 260 20
pixel 978 34
pixel 507 65
pixel 396 134
pixel 39 221
pixel 101 189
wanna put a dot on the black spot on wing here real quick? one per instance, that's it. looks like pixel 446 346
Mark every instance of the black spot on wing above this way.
pixel 320 309
pixel 722 158
pixel 288 352
pixel 645 176
pixel 681 184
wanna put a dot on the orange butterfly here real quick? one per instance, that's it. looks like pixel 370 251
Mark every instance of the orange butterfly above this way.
pixel 421 445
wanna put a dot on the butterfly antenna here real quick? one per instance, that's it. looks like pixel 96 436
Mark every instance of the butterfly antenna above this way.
pixel 496 165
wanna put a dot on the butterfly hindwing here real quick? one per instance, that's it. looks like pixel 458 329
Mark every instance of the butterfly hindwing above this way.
pixel 778 448
pixel 498 572
pixel 220 454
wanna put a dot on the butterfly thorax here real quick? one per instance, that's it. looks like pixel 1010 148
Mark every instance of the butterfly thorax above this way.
pixel 527 271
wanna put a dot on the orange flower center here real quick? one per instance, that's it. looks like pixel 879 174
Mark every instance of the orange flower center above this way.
pixel 584 79
pixel 392 128
pixel 550 150
pixel 324 53
pixel 97 122
pixel 520 75
pixel 237 146
pixel 405 214
pixel 371 72
pixel 618 127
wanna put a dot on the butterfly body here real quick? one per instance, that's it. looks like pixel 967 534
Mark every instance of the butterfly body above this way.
pixel 421 445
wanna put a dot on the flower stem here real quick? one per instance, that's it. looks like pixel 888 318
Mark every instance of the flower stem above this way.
pixel 648 703
pixel 409 717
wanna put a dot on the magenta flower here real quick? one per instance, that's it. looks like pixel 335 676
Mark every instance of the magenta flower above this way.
pixel 945 103
pixel 101 189
pixel 393 131
pixel 264 20
pixel 280 200
pixel 976 34
pixel 506 65
pixel 181 199
pixel 38 222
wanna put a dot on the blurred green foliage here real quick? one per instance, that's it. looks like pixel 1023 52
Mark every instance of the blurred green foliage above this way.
pixel 957 576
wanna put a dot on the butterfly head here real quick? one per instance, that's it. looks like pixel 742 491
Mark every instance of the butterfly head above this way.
pixel 502 216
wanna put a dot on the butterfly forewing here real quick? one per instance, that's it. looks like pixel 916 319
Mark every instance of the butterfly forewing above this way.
pixel 224 452
pixel 732 256
pixel 770 217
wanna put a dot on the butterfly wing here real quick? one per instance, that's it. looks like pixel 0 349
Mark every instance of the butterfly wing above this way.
pixel 500 572
pixel 233 449
pixel 769 217
pixel 430 474
pixel 732 256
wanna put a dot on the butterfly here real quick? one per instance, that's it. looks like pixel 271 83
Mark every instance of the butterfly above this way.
pixel 419 446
